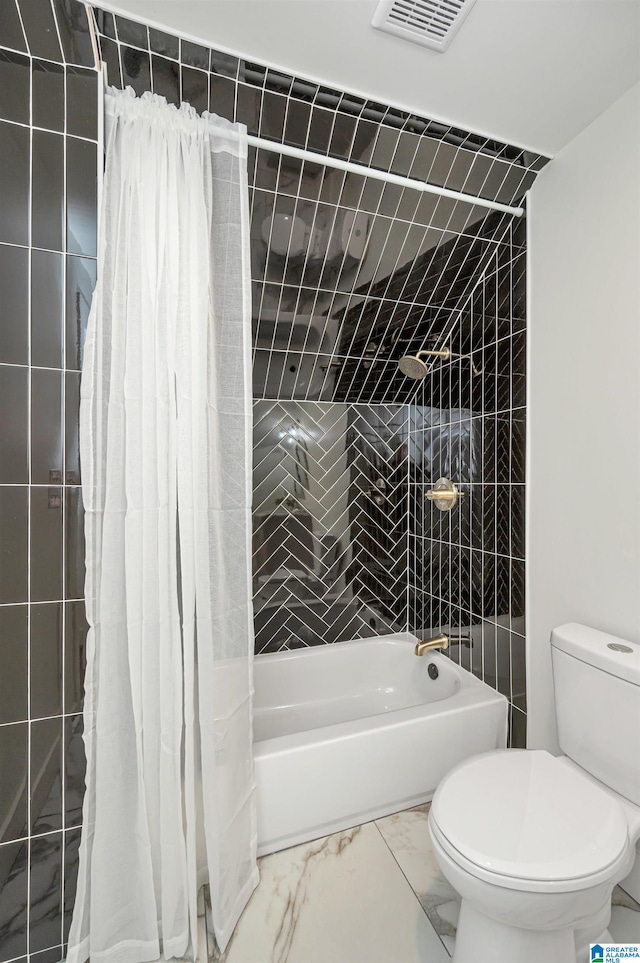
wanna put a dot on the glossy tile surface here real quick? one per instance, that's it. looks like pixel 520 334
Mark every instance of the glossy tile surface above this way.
pixel 48 213
pixel 329 514
pixel 338 898
pixel 373 893
pixel 14 295
pixel 407 836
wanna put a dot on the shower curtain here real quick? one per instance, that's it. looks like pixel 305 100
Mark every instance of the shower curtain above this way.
pixel 165 428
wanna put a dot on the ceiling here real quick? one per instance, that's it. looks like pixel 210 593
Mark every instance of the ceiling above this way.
pixel 530 72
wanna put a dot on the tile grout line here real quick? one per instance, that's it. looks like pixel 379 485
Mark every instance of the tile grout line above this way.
pixel 404 875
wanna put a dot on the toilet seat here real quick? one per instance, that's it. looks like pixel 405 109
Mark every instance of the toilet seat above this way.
pixel 522 820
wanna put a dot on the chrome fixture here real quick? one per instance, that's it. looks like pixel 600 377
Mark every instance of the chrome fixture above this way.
pixel 444 494
pixel 441 641
pixel 412 365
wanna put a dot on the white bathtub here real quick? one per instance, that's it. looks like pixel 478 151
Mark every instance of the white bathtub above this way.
pixel 349 732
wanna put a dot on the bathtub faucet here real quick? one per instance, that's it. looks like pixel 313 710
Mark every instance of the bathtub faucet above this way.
pixel 440 642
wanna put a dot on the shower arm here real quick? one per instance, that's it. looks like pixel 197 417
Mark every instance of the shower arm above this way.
pixel 445 354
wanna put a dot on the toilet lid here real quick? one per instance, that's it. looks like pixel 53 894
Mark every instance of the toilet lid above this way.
pixel 521 813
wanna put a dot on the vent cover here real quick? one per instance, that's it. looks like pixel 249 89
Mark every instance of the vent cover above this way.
pixel 432 23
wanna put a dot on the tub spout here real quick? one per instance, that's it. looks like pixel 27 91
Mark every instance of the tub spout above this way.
pixel 442 641
pixel 437 642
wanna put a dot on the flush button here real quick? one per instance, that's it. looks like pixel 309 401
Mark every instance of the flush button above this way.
pixel 619 648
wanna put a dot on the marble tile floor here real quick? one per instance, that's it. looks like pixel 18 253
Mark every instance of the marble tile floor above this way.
pixel 373 894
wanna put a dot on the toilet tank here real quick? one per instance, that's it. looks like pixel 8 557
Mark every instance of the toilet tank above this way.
pixel 597 696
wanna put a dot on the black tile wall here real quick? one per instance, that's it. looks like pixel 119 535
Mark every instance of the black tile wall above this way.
pixel 48 175
pixel 369 270
pixel 467 565
pixel 330 522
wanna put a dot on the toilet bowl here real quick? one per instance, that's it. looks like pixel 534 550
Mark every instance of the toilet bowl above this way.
pixel 534 847
pixel 535 843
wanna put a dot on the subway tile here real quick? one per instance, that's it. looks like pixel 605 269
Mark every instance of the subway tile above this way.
pixel 517 520
pixel 502 540
pixel 82 186
pixel 14 87
pixel 80 284
pixel 46 544
pixel 166 79
pixel 517 592
pixel 14 662
pixel 73 25
pixel 71 428
pixel 110 53
pixel 135 69
pixel 224 64
pixel 75 645
pixel 46 777
pixel 195 88
pixel 14 184
pixel 71 849
pixel 11 33
pixel 248 101
pixel 40 27
pixel 14 899
pixel 14 527
pixel 252 73
pixel 14 784
pixel 518 445
pixel 47 205
pixel 105 23
pixel 46 427
pixel 164 44
pixel 272 115
pixel 45 903
pixel 82 102
pixel 518 670
pixel 14 434
pixel 297 123
pixel 320 129
pixel 517 728
pixel 74 544
pixel 194 55
pixel 74 770
pixel 48 95
pixel 47 269
pixel 132 32
pixel 46 660
pixel 222 97
pixel 14 297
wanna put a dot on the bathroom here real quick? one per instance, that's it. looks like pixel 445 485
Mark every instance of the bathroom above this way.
pixel 533 414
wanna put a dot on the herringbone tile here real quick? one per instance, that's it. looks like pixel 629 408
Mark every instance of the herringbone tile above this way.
pixel 330 521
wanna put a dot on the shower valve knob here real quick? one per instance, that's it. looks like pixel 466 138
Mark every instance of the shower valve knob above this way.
pixel 444 494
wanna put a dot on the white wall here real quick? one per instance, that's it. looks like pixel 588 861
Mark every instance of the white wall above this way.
pixel 584 395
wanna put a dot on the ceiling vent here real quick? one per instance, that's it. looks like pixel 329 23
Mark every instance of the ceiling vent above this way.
pixel 432 23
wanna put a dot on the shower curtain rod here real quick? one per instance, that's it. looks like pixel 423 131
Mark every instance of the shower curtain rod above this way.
pixel 378 175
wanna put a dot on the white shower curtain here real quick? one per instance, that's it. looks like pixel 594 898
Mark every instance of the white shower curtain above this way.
pixel 166 460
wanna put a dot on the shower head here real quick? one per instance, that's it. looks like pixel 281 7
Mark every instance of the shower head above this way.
pixel 412 365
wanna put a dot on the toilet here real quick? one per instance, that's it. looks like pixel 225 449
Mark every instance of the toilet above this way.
pixel 535 843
